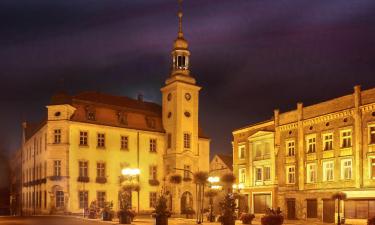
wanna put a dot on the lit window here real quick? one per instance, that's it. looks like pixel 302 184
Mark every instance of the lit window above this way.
pixel 328 170
pixel 153 145
pixel 267 149
pixel 124 143
pixel 311 144
pixel 153 172
pixel 311 173
pixel 258 150
pixel 242 175
pixel 258 174
pixel 169 141
pixel 83 138
pixel 267 173
pixel 83 199
pixel 373 168
pixel 57 136
pixel 291 148
pixel 100 170
pixel 83 169
pixel 327 142
pixel 346 169
pixel 57 168
pixel 59 199
pixel 241 152
pixel 372 135
pixel 153 197
pixel 187 140
pixel 346 139
pixel 101 140
pixel 101 197
pixel 291 174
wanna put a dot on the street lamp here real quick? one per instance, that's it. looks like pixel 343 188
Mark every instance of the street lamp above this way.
pixel 131 173
pixel 213 181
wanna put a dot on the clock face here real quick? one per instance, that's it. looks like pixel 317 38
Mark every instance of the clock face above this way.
pixel 187 96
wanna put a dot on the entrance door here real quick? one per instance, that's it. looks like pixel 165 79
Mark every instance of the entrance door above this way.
pixel 312 208
pixel 291 208
pixel 262 202
pixel 328 211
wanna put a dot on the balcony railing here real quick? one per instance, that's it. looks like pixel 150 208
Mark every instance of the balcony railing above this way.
pixel 262 157
pixel 154 182
pixel 83 179
pixel 101 180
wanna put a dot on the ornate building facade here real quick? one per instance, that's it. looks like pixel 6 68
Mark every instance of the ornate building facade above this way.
pixel 313 153
pixel 76 155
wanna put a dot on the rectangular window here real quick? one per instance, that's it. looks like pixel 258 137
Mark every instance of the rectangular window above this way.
pixel 101 140
pixel 267 150
pixel 153 172
pixel 311 145
pixel 57 136
pixel 83 199
pixel 258 150
pixel 59 199
pixel 267 173
pixel 100 197
pixel 291 148
pixel 169 141
pixel 328 170
pixel 100 169
pixel 258 174
pixel 346 169
pixel 291 175
pixel 83 138
pixel 372 134
pixel 311 173
pixel 186 171
pixel 153 145
pixel 187 140
pixel 153 198
pixel 83 169
pixel 373 168
pixel 124 143
pixel 241 152
pixel 327 142
pixel 346 139
pixel 57 168
pixel 242 175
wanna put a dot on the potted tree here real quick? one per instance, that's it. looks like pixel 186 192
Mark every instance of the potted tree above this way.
pixel 93 210
pixel 161 212
pixel 247 218
pixel 211 194
pixel 126 214
pixel 200 180
pixel 228 207
pixel 272 217
pixel 107 212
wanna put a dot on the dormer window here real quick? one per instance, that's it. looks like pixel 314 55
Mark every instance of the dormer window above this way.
pixel 151 123
pixel 122 118
pixel 90 113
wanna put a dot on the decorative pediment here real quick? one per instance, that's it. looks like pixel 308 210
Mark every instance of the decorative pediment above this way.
pixel 261 133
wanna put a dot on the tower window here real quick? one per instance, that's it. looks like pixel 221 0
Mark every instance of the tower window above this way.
pixel 181 62
pixel 187 140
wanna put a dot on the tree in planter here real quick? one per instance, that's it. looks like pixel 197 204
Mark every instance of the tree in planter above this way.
pixel 200 180
pixel 228 180
pixel 94 210
pixel 228 208
pixel 272 217
pixel 126 214
pixel 211 194
pixel 161 213
pixel 107 212
pixel 339 196
pixel 175 179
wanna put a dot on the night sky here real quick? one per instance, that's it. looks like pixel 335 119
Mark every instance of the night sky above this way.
pixel 250 56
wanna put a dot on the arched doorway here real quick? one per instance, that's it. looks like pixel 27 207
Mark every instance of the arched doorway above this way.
pixel 186 202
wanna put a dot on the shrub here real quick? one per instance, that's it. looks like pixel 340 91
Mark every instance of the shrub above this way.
pixel 272 217
pixel 247 218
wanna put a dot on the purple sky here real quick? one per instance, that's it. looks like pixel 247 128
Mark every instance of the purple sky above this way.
pixel 250 56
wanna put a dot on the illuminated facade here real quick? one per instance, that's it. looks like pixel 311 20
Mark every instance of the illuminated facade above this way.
pixel 76 155
pixel 318 150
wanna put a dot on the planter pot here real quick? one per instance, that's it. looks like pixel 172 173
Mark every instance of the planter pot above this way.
pixel 107 216
pixel 227 221
pixel 161 220
pixel 125 219
pixel 212 218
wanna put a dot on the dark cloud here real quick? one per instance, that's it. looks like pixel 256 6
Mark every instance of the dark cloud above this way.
pixel 249 56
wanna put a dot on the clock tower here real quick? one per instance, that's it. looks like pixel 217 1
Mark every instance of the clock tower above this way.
pixel 180 120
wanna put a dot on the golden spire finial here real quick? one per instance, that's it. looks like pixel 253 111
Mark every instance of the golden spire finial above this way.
pixel 180 14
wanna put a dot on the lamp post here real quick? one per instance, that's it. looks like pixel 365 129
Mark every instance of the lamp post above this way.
pixel 213 181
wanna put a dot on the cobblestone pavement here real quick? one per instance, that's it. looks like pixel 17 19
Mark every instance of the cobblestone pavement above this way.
pixel 71 220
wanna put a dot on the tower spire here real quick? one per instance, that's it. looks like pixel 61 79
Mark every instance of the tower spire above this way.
pixel 180 15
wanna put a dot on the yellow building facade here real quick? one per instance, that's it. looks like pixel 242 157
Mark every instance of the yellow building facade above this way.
pixel 316 151
pixel 77 154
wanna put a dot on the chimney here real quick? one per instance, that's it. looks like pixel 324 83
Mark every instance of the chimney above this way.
pixel 140 97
